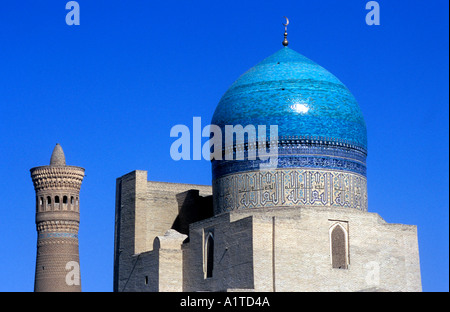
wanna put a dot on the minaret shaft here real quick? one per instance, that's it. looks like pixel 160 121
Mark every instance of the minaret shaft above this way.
pixel 57 189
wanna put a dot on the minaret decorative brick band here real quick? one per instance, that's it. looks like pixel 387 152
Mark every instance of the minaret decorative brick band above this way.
pixel 57 189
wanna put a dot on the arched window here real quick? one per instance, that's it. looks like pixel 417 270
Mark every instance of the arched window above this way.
pixel 49 203
pixel 339 247
pixel 64 201
pixel 56 202
pixel 208 260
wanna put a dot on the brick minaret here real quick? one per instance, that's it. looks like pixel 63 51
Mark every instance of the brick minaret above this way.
pixel 57 189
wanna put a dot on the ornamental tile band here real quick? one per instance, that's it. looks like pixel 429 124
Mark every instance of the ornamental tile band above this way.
pixel 57 235
pixel 292 187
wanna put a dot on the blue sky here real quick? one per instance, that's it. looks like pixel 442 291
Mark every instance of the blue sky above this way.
pixel 110 90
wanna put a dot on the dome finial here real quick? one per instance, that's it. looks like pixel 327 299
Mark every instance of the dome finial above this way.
pixel 58 158
pixel 285 42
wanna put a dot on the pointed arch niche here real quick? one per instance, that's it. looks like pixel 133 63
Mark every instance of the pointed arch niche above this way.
pixel 208 254
pixel 339 249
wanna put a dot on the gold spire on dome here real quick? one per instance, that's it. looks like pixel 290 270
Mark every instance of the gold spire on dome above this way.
pixel 285 42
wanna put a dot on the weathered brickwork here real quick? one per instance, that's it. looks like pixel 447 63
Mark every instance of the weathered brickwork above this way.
pixel 57 189
pixel 144 211
pixel 260 249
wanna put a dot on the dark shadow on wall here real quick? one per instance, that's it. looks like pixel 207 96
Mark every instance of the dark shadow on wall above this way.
pixel 191 208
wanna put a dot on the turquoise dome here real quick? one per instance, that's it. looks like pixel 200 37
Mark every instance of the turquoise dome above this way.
pixel 301 97
pixel 318 155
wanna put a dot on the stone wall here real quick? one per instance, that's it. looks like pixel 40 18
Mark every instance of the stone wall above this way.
pixel 233 255
pixel 291 251
pixel 260 249
pixel 144 211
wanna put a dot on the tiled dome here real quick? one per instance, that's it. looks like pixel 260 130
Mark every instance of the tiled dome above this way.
pixel 318 155
pixel 301 97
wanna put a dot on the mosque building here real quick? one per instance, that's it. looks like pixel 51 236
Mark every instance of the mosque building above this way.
pixel 298 221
